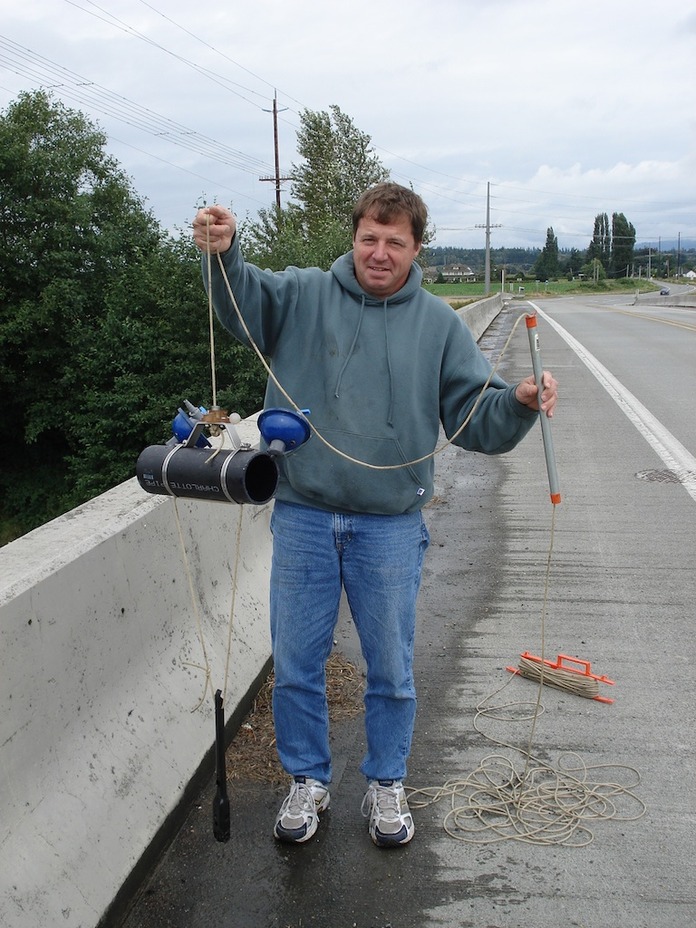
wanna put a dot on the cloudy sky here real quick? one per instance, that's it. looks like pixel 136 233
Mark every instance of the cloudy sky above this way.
pixel 566 108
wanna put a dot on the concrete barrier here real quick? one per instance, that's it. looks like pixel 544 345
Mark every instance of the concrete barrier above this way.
pixel 671 299
pixel 103 735
pixel 102 729
pixel 478 316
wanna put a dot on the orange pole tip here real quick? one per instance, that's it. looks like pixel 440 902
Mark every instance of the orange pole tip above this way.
pixel 531 320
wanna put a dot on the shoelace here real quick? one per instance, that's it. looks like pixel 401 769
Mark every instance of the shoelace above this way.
pixel 385 800
pixel 299 799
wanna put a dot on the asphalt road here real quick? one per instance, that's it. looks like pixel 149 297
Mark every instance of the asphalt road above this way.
pixel 621 594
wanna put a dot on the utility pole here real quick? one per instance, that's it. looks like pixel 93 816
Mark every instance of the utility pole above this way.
pixel 278 179
pixel 488 227
pixel 659 256
pixel 678 254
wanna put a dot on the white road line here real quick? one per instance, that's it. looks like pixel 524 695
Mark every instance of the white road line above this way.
pixel 680 461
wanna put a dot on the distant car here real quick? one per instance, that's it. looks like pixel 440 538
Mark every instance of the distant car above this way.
pixel 664 291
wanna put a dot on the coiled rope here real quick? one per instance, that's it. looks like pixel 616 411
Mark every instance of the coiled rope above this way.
pixel 576 683
pixel 551 805
pixel 543 804
pixel 539 804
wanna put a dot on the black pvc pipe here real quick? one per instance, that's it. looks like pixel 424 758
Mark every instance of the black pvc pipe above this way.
pixel 243 476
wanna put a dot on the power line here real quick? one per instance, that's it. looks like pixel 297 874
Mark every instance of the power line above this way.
pixel 434 189
pixel 218 184
pixel 120 24
pixel 26 63
pixel 205 72
pixel 206 44
pixel 140 118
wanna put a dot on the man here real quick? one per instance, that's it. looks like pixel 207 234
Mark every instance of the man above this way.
pixel 380 363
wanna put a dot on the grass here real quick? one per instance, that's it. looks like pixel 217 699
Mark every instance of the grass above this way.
pixel 473 291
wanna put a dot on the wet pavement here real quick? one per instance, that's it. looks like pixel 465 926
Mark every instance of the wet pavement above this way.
pixel 481 605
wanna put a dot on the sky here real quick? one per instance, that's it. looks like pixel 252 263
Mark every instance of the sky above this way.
pixel 548 112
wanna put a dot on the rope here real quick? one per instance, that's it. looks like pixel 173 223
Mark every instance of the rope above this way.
pixel 230 625
pixel 211 314
pixel 548 807
pixel 577 684
pixel 313 428
pixel 544 613
pixel 542 805
pixel 205 666
pixel 196 610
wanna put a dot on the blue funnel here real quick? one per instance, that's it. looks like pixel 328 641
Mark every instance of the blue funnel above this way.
pixel 184 423
pixel 283 430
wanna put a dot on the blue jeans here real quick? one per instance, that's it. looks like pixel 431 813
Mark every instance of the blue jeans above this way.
pixel 378 561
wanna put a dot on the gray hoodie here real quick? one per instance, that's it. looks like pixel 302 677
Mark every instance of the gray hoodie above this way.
pixel 378 376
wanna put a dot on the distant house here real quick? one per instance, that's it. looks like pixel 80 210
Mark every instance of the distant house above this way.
pixel 691 275
pixel 457 273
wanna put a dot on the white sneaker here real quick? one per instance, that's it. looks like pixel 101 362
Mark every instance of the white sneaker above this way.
pixel 391 822
pixel 298 816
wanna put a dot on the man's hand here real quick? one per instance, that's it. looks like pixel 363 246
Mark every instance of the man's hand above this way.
pixel 213 229
pixel 526 393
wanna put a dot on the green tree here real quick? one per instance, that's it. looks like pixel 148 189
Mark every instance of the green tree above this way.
pixel 600 246
pixel 594 271
pixel 338 166
pixel 278 239
pixel 546 266
pixel 623 241
pixel 62 202
pixel 571 263
pixel 103 319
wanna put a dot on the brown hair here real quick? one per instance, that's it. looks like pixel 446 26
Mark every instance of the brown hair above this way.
pixel 386 202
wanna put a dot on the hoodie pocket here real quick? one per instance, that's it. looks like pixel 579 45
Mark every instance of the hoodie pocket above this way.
pixel 331 479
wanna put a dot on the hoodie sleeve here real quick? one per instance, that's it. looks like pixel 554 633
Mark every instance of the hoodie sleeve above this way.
pixel 264 299
pixel 499 421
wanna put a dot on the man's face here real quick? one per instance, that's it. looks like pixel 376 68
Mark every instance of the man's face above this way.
pixel 383 255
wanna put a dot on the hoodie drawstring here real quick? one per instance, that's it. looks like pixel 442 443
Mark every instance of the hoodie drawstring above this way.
pixel 390 414
pixel 388 353
pixel 352 347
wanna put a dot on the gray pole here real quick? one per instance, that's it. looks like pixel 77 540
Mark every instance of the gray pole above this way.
pixel 488 227
pixel 487 285
pixel 547 438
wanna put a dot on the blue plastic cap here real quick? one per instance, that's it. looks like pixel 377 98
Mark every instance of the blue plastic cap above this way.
pixel 285 426
pixel 183 425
